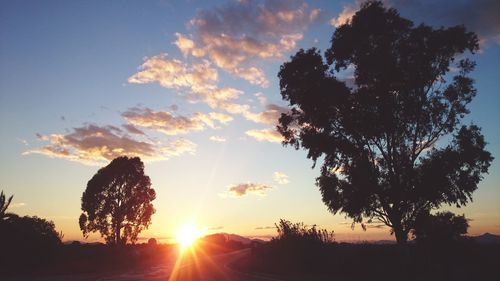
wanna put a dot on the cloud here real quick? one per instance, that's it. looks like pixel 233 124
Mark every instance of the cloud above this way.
pixel 345 16
pixel 220 117
pixel 281 178
pixel 17 205
pixel 94 145
pixel 242 189
pixel 196 82
pixel 269 135
pixel 213 228
pixel 215 97
pixel 174 74
pixel 270 115
pixel 169 124
pixel 265 227
pixel 132 129
pixel 235 35
pixel 217 139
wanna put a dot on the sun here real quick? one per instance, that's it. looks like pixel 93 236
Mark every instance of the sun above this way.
pixel 187 235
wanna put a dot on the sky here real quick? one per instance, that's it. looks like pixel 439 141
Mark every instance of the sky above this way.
pixel 191 87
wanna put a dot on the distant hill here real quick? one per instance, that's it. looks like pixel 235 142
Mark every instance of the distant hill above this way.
pixel 487 238
pixel 239 238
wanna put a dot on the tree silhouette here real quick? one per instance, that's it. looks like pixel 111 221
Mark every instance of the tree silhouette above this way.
pixel 441 228
pixel 118 197
pixel 392 143
pixel 4 205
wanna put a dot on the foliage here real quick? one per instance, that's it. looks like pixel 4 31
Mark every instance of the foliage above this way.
pixel 27 241
pixel 298 232
pixel 441 228
pixel 4 205
pixel 118 197
pixel 383 138
pixel 30 232
pixel 297 247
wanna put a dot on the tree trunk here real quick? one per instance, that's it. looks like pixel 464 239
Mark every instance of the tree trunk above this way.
pixel 401 235
pixel 117 234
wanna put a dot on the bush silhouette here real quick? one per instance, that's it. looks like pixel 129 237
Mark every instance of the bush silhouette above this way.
pixel 296 248
pixel 28 241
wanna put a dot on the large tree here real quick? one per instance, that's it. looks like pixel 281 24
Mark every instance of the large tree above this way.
pixel 391 138
pixel 118 198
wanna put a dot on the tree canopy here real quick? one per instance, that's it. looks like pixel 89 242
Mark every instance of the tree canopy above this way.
pixel 391 139
pixel 118 197
pixel 440 228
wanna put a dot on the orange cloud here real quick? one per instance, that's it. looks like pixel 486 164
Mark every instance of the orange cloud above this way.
pixel 242 189
pixel 165 122
pixel 94 145
pixel 173 73
pixel 345 16
pixel 269 135
pixel 270 115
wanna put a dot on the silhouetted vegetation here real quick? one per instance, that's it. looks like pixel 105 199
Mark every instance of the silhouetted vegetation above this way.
pixel 25 241
pixel 4 205
pixel 439 229
pixel 118 198
pixel 378 136
pixel 294 246
pixel 311 257
pixel 296 233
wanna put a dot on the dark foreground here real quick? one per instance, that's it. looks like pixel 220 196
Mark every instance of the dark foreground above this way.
pixel 270 261
pixel 342 261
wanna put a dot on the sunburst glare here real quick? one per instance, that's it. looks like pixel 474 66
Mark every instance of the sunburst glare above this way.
pixel 187 235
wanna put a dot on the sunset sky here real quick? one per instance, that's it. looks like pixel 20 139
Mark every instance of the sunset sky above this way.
pixel 191 87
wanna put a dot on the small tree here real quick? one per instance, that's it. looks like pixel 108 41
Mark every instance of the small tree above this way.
pixel 383 139
pixel 118 198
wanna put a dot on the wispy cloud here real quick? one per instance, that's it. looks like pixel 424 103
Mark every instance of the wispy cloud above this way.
pixel 198 82
pixel 281 178
pixel 265 227
pixel 270 115
pixel 214 228
pixel 169 124
pixel 269 135
pixel 173 73
pixel 17 205
pixel 132 129
pixel 217 139
pixel 94 145
pixel 242 189
pixel 235 35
